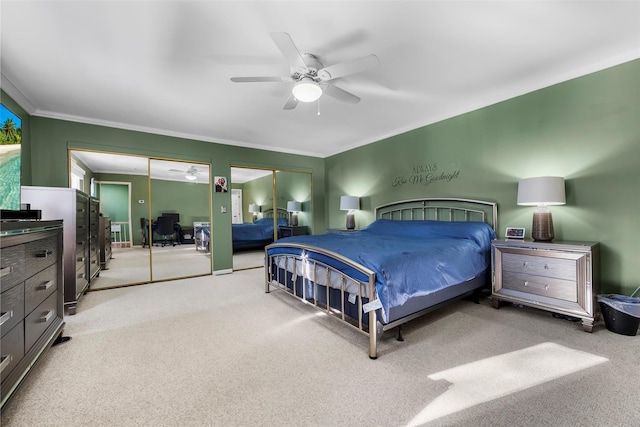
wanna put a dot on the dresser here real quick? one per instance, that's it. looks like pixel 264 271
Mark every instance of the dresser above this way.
pixel 80 260
pixel 560 277
pixel 31 302
pixel 93 261
pixel 105 242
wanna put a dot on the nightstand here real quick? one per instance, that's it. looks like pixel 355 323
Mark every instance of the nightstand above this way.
pixel 292 230
pixel 560 277
pixel 339 230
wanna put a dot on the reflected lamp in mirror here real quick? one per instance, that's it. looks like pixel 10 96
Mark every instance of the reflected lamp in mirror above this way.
pixel 349 204
pixel 542 192
pixel 254 209
pixel 191 177
pixel 293 207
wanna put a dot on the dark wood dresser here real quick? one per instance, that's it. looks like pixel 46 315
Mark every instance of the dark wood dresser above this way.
pixel 32 297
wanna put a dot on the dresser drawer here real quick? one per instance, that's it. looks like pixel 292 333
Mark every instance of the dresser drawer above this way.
pixel 545 286
pixel 12 266
pixel 40 254
pixel 540 265
pixel 39 320
pixel 81 278
pixel 12 349
pixel 12 302
pixel 39 287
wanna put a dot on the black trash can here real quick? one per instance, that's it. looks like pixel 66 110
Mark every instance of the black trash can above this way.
pixel 621 313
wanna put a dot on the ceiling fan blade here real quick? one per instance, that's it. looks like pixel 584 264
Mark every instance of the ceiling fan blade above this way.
pixel 289 50
pixel 341 94
pixel 291 103
pixel 348 67
pixel 261 79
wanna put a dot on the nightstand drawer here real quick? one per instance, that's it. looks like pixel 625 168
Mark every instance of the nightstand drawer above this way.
pixel 545 286
pixel 560 268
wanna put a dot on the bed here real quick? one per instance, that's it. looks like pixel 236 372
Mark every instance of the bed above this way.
pixel 259 233
pixel 415 257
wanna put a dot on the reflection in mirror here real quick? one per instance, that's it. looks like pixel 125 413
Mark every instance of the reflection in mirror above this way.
pixel 252 200
pixel 180 200
pixel 293 192
pixel 121 184
pixel 253 203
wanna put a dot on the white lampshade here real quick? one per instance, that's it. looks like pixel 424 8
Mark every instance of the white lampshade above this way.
pixel 541 191
pixel 306 90
pixel 348 203
pixel 253 208
pixel 293 206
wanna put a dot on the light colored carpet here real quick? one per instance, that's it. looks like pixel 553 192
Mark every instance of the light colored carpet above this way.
pixel 248 259
pixel 218 351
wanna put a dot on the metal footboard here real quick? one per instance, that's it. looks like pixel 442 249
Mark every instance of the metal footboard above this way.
pixel 303 277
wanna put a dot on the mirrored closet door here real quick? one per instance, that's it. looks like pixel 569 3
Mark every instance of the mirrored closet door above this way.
pixel 264 198
pixel 134 192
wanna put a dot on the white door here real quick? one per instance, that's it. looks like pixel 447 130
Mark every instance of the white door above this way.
pixel 236 206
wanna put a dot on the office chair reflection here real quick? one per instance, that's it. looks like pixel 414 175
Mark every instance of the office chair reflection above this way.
pixel 166 229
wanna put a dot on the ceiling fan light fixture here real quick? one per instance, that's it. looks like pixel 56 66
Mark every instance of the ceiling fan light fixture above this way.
pixel 191 177
pixel 306 90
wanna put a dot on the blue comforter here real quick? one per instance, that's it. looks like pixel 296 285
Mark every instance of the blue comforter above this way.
pixel 410 258
pixel 258 231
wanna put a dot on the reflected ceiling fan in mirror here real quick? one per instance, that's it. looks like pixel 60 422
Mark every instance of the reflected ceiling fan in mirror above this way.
pixel 310 77
pixel 190 173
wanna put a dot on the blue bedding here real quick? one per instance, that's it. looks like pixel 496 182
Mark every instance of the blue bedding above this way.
pixel 410 258
pixel 260 231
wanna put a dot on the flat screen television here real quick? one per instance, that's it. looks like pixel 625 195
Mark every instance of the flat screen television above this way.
pixel 10 140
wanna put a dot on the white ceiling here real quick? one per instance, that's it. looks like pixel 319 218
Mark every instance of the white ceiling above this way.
pixel 165 66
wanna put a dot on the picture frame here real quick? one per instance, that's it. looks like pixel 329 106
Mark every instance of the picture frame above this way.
pixel 220 183
pixel 514 233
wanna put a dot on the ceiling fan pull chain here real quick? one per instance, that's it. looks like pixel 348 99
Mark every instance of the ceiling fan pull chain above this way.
pixel 318 106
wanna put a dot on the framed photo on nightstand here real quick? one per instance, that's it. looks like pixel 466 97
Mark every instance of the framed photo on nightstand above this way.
pixel 514 233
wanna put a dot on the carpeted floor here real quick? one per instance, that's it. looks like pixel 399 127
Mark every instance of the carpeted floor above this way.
pixel 218 351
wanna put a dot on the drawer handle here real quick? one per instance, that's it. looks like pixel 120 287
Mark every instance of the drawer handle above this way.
pixel 5 317
pixel 44 253
pixel 546 266
pixel 46 317
pixel 81 259
pixel 81 276
pixel 533 285
pixel 46 285
pixel 5 271
pixel 6 361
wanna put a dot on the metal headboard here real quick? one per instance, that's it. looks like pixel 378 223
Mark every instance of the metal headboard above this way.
pixel 280 213
pixel 440 209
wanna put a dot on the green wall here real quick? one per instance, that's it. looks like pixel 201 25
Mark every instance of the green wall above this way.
pixel 586 130
pixel 51 138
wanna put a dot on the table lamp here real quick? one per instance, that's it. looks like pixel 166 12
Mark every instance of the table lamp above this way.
pixel 542 192
pixel 350 203
pixel 293 207
pixel 254 209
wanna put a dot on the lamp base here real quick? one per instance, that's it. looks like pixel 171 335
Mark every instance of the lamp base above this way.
pixel 542 230
pixel 294 219
pixel 351 221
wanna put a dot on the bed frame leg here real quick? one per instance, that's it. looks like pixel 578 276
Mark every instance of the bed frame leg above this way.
pixel 400 338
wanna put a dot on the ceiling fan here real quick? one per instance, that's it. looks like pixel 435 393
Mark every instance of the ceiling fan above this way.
pixel 310 77
pixel 190 173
